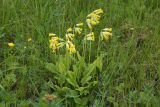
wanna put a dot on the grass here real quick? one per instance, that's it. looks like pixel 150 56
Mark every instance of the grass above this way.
pixel 130 74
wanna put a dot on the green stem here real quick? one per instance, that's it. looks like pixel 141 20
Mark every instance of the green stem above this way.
pixel 90 49
pixel 98 45
pixel 84 46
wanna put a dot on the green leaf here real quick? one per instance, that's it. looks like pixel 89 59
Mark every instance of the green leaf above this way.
pixel 61 90
pixel 61 78
pixel 80 89
pixel 72 94
pixel 83 90
pixel 61 67
pixel 85 79
pixel 79 56
pixel 99 63
pixel 72 78
pixel 51 67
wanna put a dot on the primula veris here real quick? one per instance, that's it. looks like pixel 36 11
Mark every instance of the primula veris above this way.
pixel 98 11
pixel 78 30
pixel 69 30
pixel 79 24
pixel 56 43
pixel 70 47
pixel 52 34
pixel 93 18
pixel 106 34
pixel 11 44
pixel 107 29
pixel 90 37
pixel 69 36
pixel 89 23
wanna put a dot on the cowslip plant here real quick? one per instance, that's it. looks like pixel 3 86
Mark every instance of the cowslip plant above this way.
pixel 80 30
pixel 74 77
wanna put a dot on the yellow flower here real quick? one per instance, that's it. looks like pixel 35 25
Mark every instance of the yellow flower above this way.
pixel 89 23
pixel 11 44
pixel 90 37
pixel 56 43
pixel 53 40
pixel 29 39
pixel 78 30
pixel 69 36
pixel 69 30
pixel 106 34
pixel 70 47
pixel 93 18
pixel 52 34
pixel 107 29
pixel 92 21
pixel 98 11
pixel 79 24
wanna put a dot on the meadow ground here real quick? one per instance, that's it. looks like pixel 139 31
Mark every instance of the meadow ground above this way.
pixel 123 71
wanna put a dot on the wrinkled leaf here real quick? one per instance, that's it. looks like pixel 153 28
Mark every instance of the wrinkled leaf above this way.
pixel 51 67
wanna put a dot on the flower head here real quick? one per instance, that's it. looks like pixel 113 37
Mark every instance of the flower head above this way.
pixel 79 24
pixel 106 34
pixel 107 29
pixel 69 36
pixel 56 43
pixel 90 37
pixel 69 30
pixel 93 18
pixel 78 30
pixel 70 47
pixel 98 11
pixel 51 34
pixel 11 44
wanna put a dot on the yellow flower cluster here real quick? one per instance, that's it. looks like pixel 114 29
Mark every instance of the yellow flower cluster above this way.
pixel 78 28
pixel 106 34
pixel 71 32
pixel 93 18
pixel 70 47
pixel 55 42
pixel 70 36
pixel 90 37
